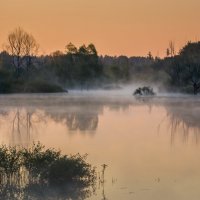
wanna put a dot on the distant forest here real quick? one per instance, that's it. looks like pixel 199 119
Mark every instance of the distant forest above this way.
pixel 22 70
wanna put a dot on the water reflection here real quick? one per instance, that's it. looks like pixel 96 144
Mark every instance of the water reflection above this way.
pixel 22 124
pixel 77 121
pixel 82 122
pixel 182 115
pixel 102 181
pixel 106 129
pixel 24 117
pixel 184 121
pixel 39 191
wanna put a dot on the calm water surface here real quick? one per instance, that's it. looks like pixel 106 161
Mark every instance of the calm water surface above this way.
pixel 151 146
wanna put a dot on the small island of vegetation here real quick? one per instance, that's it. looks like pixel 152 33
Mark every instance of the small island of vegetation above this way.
pixel 144 91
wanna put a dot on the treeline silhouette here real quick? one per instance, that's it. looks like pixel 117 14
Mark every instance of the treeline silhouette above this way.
pixel 23 70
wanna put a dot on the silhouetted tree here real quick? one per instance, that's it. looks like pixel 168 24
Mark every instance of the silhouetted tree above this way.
pixel 167 52
pixel 149 55
pixel 172 51
pixel 83 50
pixel 91 49
pixel 71 49
pixel 184 69
pixel 22 46
pixel 190 56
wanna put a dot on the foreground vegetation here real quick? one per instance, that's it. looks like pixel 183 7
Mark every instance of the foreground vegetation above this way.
pixel 22 70
pixel 40 171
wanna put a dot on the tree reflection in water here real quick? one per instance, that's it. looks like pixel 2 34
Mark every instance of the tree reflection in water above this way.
pixel 184 121
pixel 182 116
pixel 83 115
pixel 23 124
pixel 24 121
pixel 82 122
pixel 39 191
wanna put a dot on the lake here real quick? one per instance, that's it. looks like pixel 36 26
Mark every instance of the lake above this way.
pixel 149 145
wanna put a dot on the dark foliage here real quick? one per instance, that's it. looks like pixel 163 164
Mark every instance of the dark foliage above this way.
pixel 184 69
pixel 83 68
pixel 144 91
pixel 43 166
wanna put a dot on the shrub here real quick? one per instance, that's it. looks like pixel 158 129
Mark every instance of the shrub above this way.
pixel 45 166
pixel 144 91
pixel 71 169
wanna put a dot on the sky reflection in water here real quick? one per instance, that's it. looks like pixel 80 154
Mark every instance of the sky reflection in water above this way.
pixel 151 146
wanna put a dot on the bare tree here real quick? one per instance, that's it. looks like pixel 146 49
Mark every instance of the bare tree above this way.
pixel 167 52
pixel 172 51
pixel 22 46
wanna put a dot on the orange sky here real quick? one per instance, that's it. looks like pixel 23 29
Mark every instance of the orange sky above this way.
pixel 116 27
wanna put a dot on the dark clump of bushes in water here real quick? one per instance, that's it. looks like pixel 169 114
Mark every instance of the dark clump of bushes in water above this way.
pixel 37 86
pixel 27 83
pixel 144 91
pixel 42 86
pixel 45 172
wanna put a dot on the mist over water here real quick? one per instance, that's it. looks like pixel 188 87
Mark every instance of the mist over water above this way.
pixel 125 91
pixel 150 145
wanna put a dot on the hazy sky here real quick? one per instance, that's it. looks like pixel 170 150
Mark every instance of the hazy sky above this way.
pixel 116 27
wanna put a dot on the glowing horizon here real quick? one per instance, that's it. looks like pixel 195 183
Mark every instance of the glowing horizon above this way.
pixel 116 27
